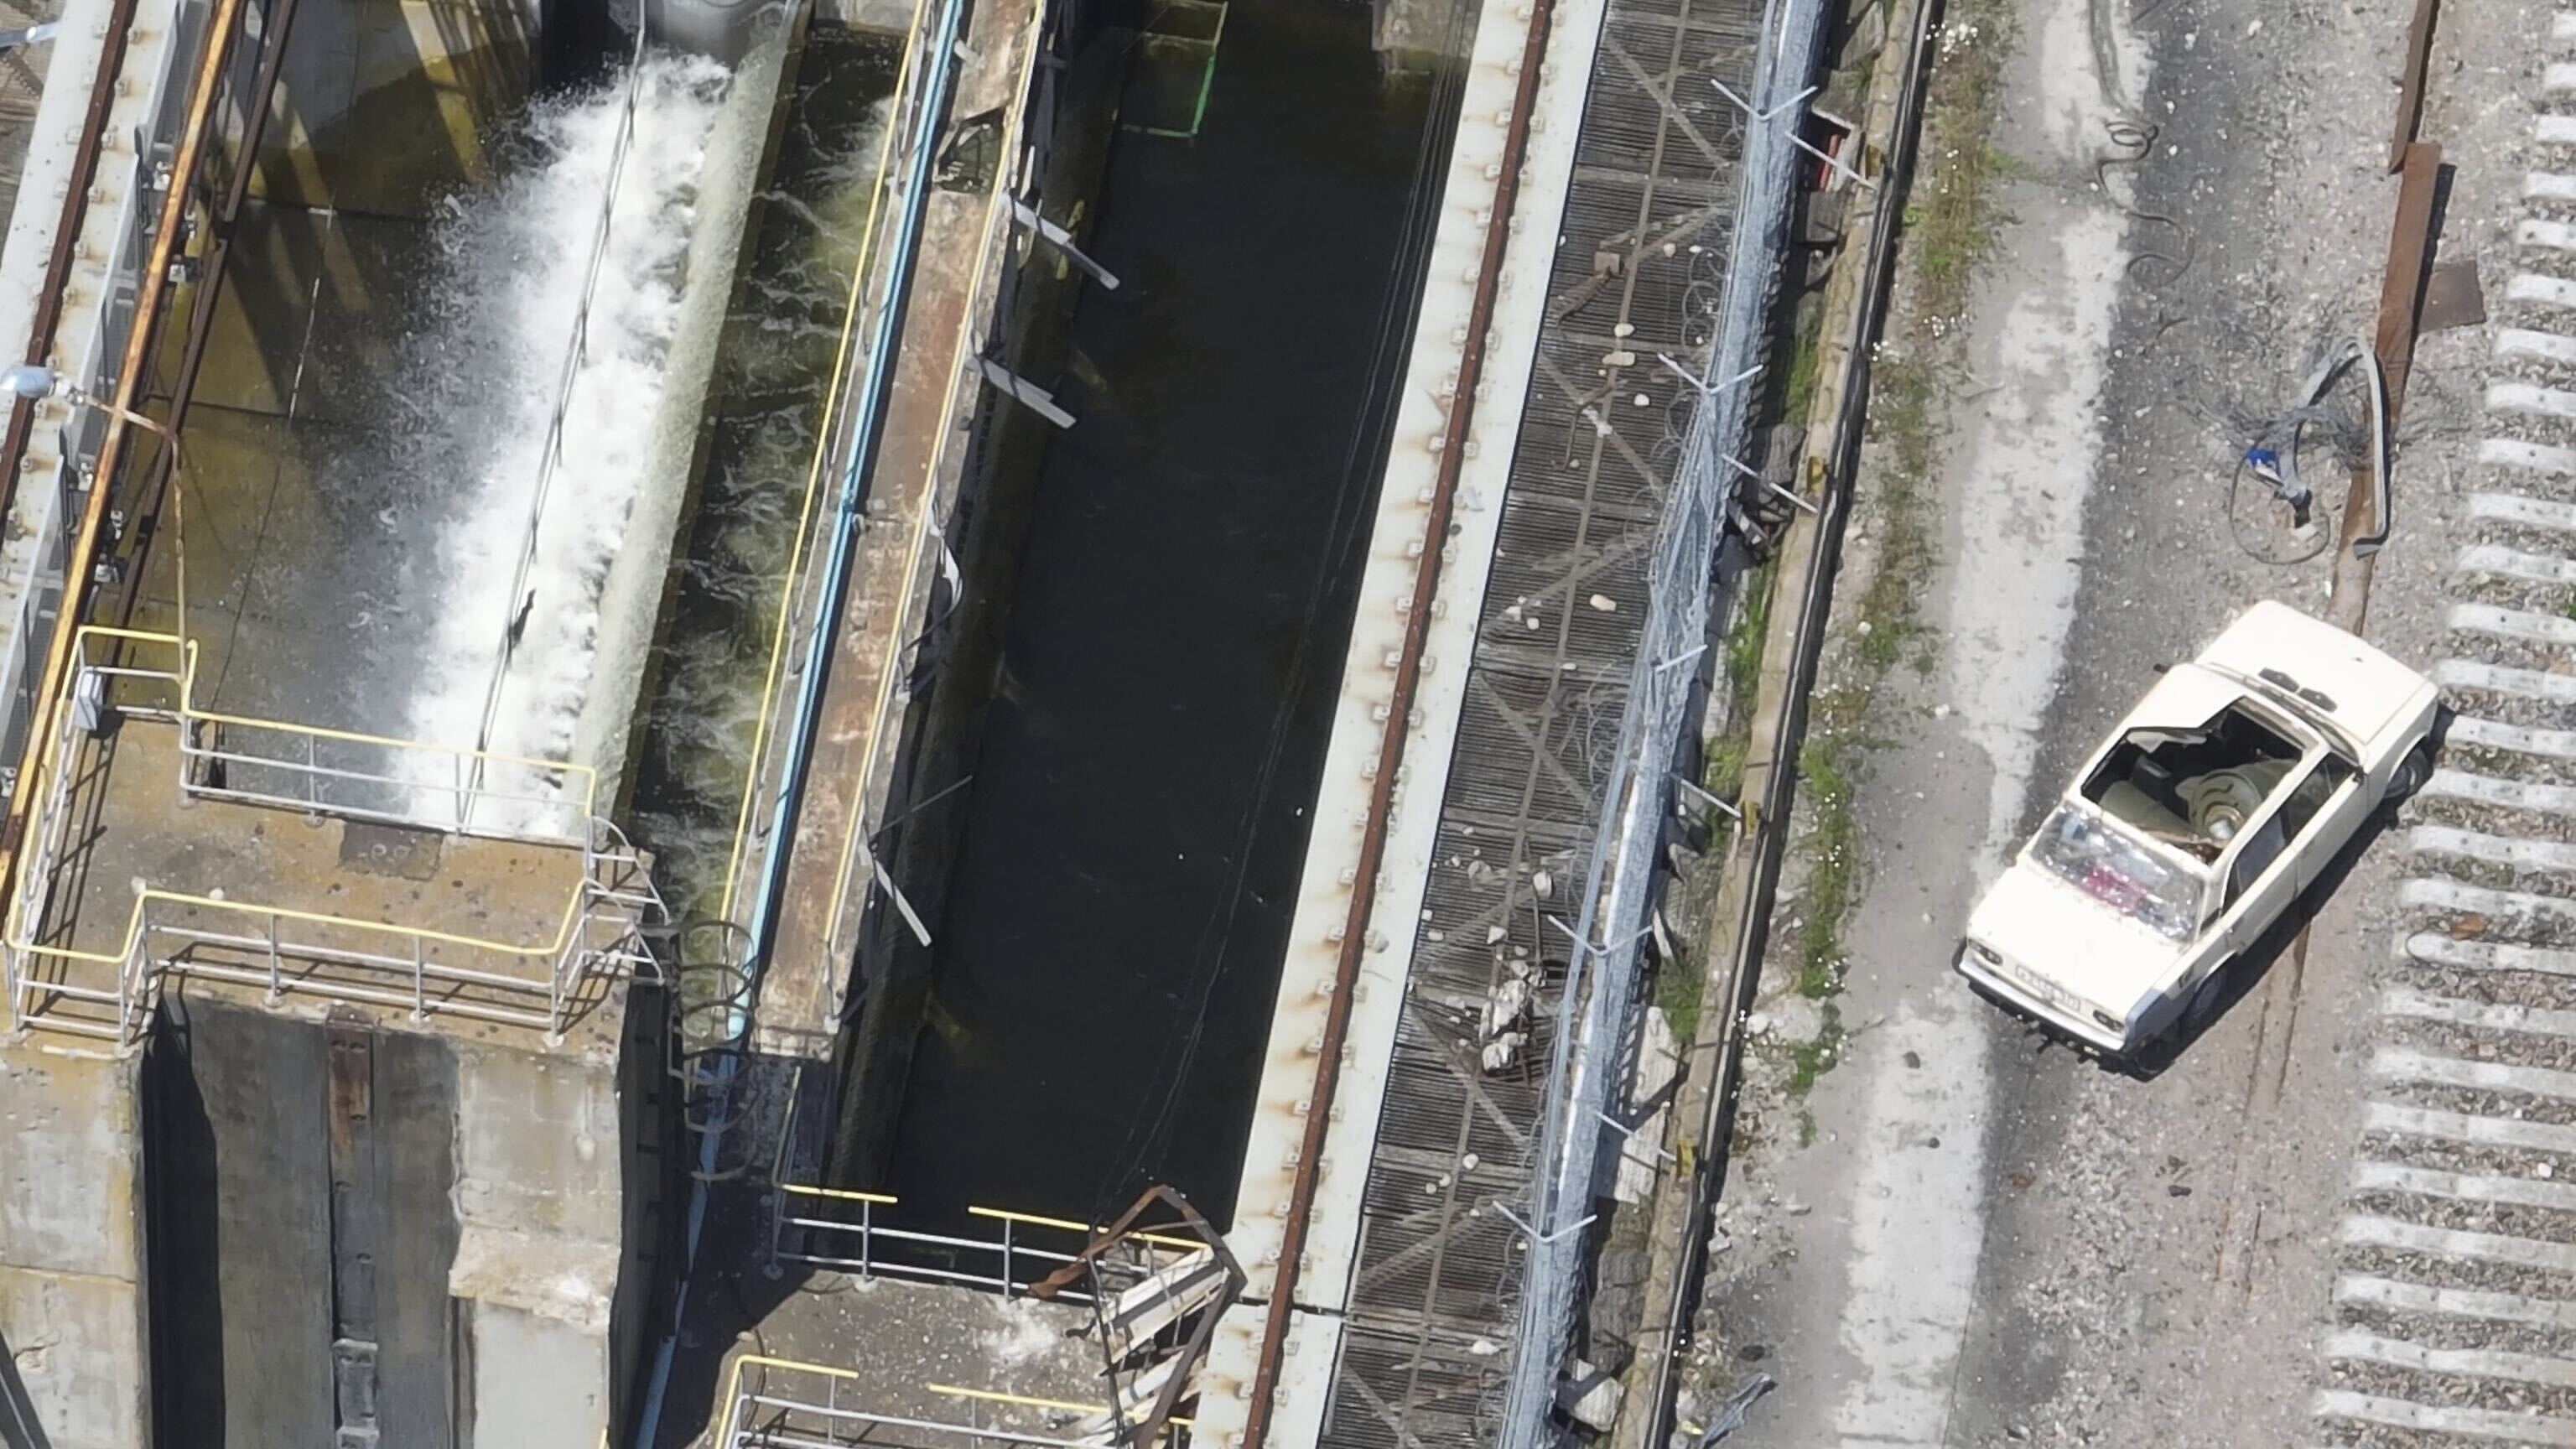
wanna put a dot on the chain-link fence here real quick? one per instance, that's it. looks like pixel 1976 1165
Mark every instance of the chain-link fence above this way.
pixel 1595 1013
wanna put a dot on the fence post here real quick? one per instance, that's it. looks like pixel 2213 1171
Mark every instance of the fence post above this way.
pixel 867 1239
pixel 419 978
pixel 1007 1292
pixel 276 987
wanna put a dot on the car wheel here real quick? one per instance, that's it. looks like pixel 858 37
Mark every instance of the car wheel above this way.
pixel 2411 773
pixel 2206 996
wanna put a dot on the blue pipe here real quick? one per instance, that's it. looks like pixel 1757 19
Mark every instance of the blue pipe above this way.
pixel 939 63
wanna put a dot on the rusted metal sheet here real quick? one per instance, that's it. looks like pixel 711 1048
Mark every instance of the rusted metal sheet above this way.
pixel 2401 304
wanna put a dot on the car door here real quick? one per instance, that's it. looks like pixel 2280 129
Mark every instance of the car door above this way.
pixel 2260 877
pixel 2321 812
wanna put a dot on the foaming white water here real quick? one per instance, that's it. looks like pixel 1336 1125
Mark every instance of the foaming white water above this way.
pixel 516 261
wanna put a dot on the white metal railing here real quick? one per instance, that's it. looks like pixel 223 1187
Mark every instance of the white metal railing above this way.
pixel 804 1230
pixel 285 950
pixel 777 1403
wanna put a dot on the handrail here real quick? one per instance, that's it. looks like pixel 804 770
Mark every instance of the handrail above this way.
pixel 996 1396
pixel 740 1398
pixel 1034 1220
pixel 130 961
pixel 187 681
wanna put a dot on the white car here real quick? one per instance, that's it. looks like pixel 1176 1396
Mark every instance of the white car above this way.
pixel 2224 795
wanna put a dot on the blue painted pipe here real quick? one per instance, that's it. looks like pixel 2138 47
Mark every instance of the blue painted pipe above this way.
pixel 939 62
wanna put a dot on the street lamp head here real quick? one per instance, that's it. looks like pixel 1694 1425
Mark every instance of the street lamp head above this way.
pixel 31 381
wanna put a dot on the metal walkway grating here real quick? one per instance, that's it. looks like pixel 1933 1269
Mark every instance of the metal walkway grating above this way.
pixel 1436 1292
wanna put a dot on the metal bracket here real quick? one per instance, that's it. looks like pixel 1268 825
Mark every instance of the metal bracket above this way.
pixel 1027 215
pixel 1026 393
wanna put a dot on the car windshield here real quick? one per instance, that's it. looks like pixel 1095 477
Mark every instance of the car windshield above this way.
pixel 2120 871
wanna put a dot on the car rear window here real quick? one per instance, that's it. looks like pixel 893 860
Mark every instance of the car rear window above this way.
pixel 2120 872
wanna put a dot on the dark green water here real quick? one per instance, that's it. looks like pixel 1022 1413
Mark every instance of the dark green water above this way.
pixel 1107 960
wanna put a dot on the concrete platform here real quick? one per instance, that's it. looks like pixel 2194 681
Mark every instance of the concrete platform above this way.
pixel 489 918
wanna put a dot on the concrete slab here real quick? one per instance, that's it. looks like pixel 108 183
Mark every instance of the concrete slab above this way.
pixel 72 1320
pixel 504 903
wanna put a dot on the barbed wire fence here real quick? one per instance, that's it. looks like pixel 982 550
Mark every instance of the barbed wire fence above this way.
pixel 1595 1011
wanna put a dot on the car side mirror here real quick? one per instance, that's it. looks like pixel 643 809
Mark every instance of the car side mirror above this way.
pixel 2161 667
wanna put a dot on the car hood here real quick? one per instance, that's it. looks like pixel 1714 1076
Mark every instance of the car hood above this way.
pixel 2317 668
pixel 2045 927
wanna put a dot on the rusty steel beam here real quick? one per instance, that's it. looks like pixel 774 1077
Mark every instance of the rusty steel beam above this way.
pixel 152 288
pixel 58 263
pixel 1148 1431
pixel 1390 756
pixel 2401 304
pixel 2410 90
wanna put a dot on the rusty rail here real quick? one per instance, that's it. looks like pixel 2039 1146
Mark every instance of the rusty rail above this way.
pixel 58 264
pixel 152 289
pixel 1408 678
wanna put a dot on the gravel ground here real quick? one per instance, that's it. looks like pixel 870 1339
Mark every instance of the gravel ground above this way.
pixel 1985 1239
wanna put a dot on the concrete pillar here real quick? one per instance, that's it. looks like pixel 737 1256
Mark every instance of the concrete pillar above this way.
pixel 540 1207
pixel 72 1319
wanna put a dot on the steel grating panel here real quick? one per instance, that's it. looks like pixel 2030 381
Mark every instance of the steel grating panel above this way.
pixel 1437 1286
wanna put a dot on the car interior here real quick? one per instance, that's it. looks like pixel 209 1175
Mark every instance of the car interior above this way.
pixel 2194 788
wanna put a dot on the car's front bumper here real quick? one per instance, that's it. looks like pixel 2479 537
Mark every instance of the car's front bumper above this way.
pixel 2015 996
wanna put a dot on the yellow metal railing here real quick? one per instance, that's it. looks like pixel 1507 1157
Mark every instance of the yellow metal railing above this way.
pixel 784 1403
pixel 855 1241
pixel 567 955
pixel 1023 1401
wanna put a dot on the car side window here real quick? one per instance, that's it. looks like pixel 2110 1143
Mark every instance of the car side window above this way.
pixel 2255 855
pixel 2300 809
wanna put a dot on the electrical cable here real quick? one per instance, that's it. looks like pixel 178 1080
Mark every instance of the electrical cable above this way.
pixel 2280 439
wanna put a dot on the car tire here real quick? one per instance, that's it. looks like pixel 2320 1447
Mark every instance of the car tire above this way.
pixel 2205 997
pixel 2410 775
